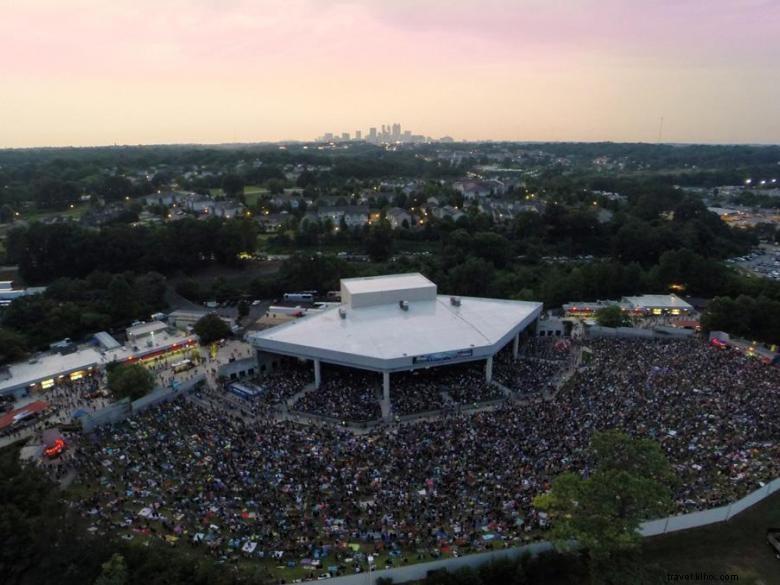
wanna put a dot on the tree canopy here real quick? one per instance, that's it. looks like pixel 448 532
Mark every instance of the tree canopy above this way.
pixel 630 482
pixel 130 381
pixel 611 316
pixel 210 328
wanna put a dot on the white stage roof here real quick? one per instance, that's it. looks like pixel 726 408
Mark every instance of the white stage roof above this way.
pixel 386 337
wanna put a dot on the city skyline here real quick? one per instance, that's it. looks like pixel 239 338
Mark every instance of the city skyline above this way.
pixel 200 71
pixel 385 133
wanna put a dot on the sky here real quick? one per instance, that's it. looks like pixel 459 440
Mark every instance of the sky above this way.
pixel 95 72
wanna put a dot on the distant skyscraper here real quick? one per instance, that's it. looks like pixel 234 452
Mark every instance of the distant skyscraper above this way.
pixel 385 134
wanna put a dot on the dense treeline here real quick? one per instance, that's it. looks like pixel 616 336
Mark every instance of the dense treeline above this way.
pixel 750 317
pixel 74 308
pixel 43 541
pixel 476 275
pixel 44 252
pixel 55 178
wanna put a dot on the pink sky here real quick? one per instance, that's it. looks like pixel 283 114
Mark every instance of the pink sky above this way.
pixel 162 71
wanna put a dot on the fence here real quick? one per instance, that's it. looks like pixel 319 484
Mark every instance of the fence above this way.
pixel 420 570
pixel 164 394
pixel 659 332
pixel 113 413
pixel 120 410
pixel 634 332
pixel 705 517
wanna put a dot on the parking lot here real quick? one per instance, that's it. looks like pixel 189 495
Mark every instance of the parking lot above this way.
pixel 763 261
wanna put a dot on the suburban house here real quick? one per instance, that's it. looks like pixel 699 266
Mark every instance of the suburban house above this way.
pixel 397 216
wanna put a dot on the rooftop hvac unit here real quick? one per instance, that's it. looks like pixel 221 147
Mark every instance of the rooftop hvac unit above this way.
pixel 343 312
pixel 455 301
pixel 404 305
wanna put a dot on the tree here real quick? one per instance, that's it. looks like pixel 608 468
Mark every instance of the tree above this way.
pixel 474 277
pixel 312 272
pixel 115 187
pixel 210 328
pixel 631 482
pixel 611 316
pixel 130 381
pixel 243 309
pixel 114 571
pixel 379 243
pixel 233 185
pixel 6 214
pixel 122 298
pixel 13 346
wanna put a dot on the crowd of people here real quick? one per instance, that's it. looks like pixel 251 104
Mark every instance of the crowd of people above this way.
pixel 193 469
pixel 69 396
pixel 7 403
pixel 344 395
pixel 547 348
pixel 416 392
pixel 65 400
pixel 524 375
pixel 466 386
pixel 281 385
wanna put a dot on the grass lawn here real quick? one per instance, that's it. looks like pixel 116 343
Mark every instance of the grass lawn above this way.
pixel 252 193
pixel 738 547
pixel 75 212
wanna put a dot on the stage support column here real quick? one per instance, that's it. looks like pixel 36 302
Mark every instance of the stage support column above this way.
pixel 516 346
pixel 489 370
pixel 386 387
pixel 317 374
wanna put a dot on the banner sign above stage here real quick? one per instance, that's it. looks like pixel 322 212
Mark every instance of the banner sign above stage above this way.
pixel 443 356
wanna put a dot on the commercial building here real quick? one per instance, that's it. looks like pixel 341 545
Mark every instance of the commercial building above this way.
pixel 44 371
pixel 639 306
pixel 656 305
pixel 399 323
pixel 41 372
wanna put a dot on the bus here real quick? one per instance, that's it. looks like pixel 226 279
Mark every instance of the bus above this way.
pixel 182 366
pixel 302 296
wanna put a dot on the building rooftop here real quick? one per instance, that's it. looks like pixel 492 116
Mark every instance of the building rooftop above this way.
pixel 50 365
pixel 666 301
pixel 377 290
pixel 386 336
pixel 145 329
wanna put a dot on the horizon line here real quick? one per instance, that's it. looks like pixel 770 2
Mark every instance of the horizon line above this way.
pixel 285 142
